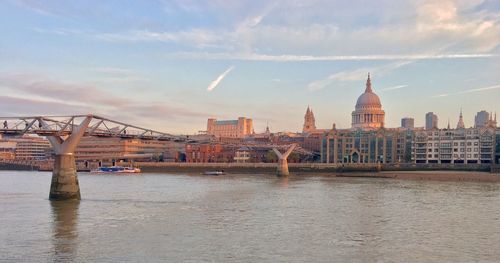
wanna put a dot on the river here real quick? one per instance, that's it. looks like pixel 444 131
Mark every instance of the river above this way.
pixel 248 218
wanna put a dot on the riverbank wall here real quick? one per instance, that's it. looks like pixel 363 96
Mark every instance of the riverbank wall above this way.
pixel 305 167
pixel 17 167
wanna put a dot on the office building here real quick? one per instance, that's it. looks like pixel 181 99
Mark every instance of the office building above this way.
pixel 431 121
pixel 407 123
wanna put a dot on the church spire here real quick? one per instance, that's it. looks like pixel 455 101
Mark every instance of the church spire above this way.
pixel 460 124
pixel 309 121
pixel 368 84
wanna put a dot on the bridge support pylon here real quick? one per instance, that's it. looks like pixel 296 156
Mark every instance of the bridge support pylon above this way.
pixel 64 184
pixel 282 169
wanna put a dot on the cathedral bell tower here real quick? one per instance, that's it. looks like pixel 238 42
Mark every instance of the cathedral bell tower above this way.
pixel 309 121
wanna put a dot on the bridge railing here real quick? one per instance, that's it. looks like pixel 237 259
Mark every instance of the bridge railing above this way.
pixel 64 125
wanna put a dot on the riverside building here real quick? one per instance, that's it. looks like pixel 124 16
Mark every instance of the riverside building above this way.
pixel 367 146
pixel 239 128
pixel 465 145
pixel 96 151
pixel 368 141
pixel 25 148
pixel 460 145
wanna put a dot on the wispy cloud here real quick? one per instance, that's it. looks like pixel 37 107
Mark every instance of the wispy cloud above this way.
pixel 216 82
pixel 483 89
pixel 480 89
pixel 441 95
pixel 40 91
pixel 298 58
pixel 112 70
pixel 355 75
pixel 394 87
pixel 197 37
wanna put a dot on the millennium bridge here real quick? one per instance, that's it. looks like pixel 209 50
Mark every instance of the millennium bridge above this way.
pixel 64 134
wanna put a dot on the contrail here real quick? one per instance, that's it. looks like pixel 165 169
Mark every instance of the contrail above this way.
pixel 214 83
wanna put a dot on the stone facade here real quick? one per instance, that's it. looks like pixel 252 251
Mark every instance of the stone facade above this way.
pixel 367 146
pixel 239 128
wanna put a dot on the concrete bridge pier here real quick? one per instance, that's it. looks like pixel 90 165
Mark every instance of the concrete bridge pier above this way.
pixel 282 161
pixel 64 184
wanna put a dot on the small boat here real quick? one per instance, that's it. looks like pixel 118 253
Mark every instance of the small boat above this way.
pixel 215 173
pixel 116 169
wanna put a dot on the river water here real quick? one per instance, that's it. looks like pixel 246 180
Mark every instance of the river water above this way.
pixel 248 218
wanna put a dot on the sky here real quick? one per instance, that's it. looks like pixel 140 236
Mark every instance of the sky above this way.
pixel 171 65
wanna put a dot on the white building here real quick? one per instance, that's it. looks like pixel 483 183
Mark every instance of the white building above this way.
pixel 472 145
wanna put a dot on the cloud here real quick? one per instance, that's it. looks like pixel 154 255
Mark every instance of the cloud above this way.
pixel 318 31
pixel 112 70
pixel 480 89
pixel 441 95
pixel 17 106
pixel 355 75
pixel 116 75
pixel 42 95
pixel 298 58
pixel 483 89
pixel 394 87
pixel 43 87
pixel 196 37
pixel 216 82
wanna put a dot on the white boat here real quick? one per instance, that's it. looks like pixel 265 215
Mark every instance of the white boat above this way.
pixel 116 169
pixel 214 173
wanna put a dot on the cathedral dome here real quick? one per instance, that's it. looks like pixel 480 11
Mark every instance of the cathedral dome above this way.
pixel 368 99
pixel 368 113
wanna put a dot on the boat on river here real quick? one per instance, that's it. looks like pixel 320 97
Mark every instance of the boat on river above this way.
pixel 214 173
pixel 117 169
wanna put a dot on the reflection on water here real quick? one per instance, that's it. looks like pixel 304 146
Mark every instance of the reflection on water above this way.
pixel 282 181
pixel 65 216
pixel 254 218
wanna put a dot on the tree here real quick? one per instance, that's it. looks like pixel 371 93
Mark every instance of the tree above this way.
pixel 270 157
